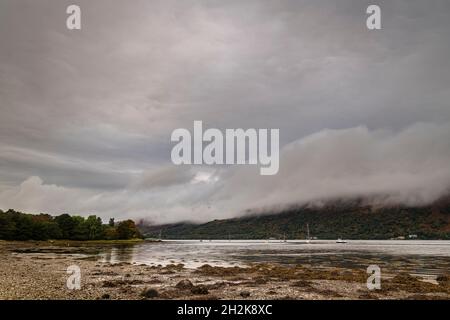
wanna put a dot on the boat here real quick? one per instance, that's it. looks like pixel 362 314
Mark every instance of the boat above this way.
pixel 308 238
pixel 339 240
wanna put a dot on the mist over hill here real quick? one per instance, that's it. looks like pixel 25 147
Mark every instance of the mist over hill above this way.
pixel 349 219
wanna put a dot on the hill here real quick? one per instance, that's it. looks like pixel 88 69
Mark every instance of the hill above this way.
pixel 336 219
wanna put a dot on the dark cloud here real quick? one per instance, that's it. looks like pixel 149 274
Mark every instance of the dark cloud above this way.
pixel 86 116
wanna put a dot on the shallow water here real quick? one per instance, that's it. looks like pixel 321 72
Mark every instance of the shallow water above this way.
pixel 428 258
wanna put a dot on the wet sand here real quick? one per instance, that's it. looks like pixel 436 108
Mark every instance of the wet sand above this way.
pixel 34 270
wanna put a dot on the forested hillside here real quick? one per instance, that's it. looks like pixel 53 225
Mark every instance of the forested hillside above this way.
pixel 347 220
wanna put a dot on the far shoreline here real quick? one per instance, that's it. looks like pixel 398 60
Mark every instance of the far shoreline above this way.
pixel 60 242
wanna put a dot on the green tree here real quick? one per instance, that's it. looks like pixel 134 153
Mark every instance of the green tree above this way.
pixel 94 227
pixel 67 225
pixel 80 230
pixel 127 230
pixel 7 226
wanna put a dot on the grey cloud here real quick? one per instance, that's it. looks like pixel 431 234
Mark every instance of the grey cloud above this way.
pixel 57 169
pixel 89 114
pixel 163 177
pixel 410 167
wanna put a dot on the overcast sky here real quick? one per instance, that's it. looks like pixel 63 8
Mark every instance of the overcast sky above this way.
pixel 86 116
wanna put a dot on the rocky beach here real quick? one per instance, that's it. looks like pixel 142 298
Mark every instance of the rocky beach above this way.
pixel 38 270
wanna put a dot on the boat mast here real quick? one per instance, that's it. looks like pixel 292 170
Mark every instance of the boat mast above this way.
pixel 307 232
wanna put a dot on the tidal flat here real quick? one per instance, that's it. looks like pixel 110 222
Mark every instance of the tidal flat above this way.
pixel 38 270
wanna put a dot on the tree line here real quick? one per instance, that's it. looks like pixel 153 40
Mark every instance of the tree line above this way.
pixel 21 226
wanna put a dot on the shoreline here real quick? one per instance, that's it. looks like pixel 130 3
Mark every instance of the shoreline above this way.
pixel 63 242
pixel 28 272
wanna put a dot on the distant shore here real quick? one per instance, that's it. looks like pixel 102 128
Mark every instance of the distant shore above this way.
pixel 62 242
pixel 38 270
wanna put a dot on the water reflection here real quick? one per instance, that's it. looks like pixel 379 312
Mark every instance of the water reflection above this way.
pixel 417 257
pixel 116 254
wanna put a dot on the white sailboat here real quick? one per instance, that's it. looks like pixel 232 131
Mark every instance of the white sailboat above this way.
pixel 308 238
pixel 339 240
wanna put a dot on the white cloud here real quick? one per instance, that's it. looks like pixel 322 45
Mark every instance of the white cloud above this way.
pixel 410 166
